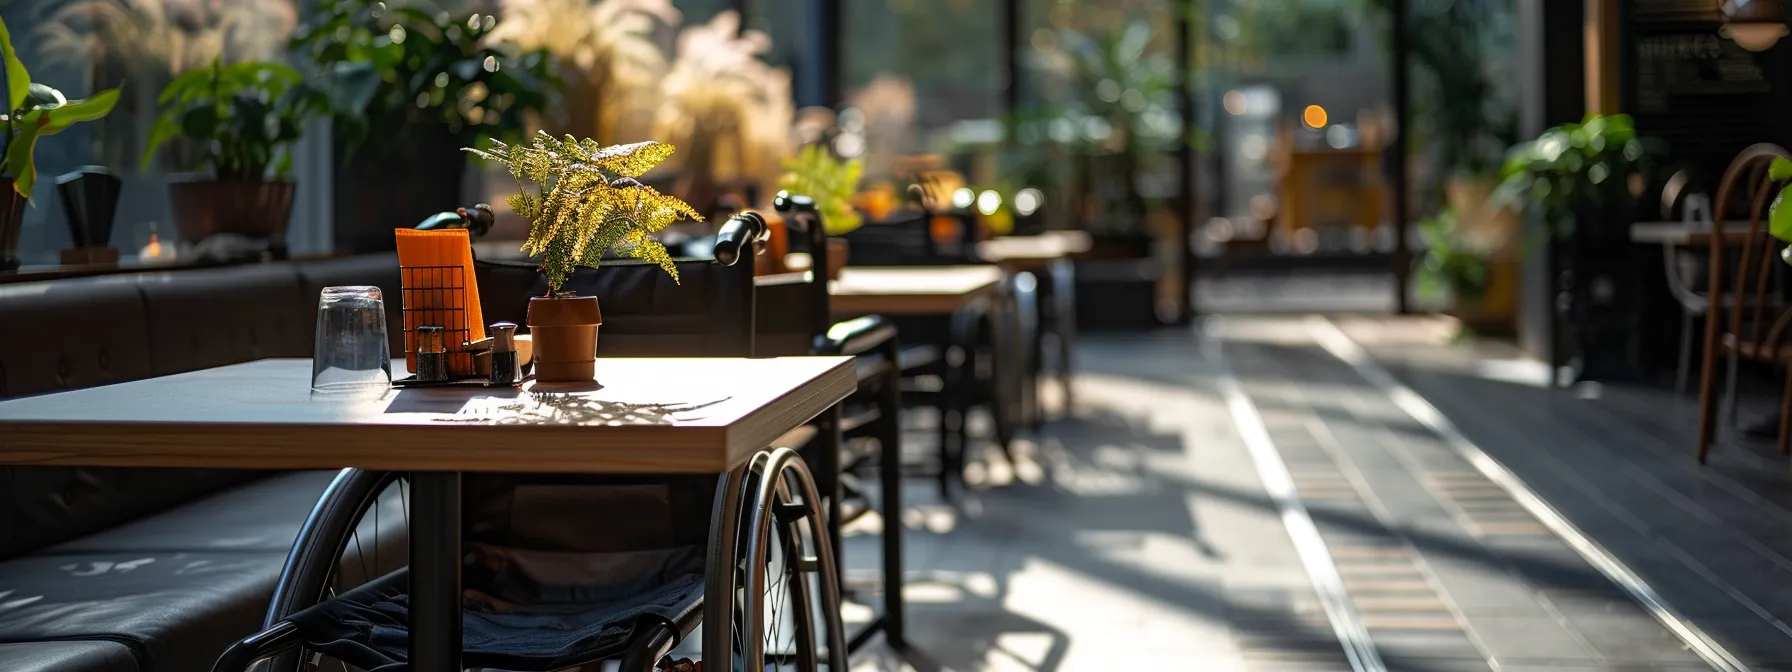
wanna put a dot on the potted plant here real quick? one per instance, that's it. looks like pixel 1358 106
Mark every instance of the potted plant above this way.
pixel 1456 270
pixel 1583 181
pixel 585 201
pixel 33 110
pixel 242 120
pixel 817 173
pixel 408 89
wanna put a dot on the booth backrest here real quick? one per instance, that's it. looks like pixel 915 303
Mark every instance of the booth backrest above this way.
pixel 83 332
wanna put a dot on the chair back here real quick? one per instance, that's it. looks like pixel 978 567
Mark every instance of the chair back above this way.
pixel 1748 181
pixel 794 308
pixel 706 312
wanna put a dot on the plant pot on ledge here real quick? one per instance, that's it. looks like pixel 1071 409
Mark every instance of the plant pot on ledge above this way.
pixel 205 205
pixel 564 335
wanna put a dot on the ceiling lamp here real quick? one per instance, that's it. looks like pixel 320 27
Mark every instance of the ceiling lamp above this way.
pixel 1755 25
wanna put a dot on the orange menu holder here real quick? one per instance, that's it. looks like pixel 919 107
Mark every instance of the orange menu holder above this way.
pixel 438 289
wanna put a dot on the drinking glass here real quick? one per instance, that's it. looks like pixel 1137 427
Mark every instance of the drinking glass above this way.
pixel 351 352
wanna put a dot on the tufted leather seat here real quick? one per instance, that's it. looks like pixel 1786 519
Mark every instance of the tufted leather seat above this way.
pixel 201 319
pixel 157 570
pixel 71 334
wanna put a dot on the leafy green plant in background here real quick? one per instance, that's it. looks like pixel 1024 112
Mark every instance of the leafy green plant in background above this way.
pixel 242 117
pixel 1459 111
pixel 1593 169
pixel 1449 266
pixel 818 174
pixel 35 110
pixel 396 73
pixel 1118 128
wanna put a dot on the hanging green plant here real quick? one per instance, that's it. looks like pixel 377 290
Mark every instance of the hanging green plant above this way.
pixel 35 110
pixel 816 173
pixel 586 201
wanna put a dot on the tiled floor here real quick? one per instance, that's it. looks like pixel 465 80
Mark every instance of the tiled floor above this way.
pixel 1150 540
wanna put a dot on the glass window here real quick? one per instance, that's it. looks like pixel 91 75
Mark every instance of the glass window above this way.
pixel 83 46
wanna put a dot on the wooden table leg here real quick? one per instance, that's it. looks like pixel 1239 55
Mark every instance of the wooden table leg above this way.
pixel 1064 321
pixel 435 571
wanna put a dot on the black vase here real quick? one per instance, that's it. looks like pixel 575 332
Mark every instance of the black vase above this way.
pixel 12 223
pixel 90 202
pixel 1599 297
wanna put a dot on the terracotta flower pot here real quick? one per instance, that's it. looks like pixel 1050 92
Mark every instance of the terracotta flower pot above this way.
pixel 12 223
pixel 206 205
pixel 564 335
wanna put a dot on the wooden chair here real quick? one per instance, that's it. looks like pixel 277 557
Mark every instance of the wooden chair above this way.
pixel 1754 326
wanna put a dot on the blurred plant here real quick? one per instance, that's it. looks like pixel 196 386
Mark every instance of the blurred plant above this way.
pixel 397 73
pixel 1457 103
pixel 1449 266
pixel 587 201
pixel 35 110
pixel 147 42
pixel 882 114
pixel 1592 169
pixel 816 173
pixel 606 57
pixel 1286 30
pixel 1125 119
pixel 243 116
pixel 166 37
pixel 732 109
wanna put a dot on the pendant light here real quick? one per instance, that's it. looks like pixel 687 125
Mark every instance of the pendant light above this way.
pixel 1755 25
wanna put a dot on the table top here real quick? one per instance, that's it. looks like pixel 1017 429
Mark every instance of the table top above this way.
pixel 660 415
pixel 1685 233
pixel 1034 250
pixel 910 290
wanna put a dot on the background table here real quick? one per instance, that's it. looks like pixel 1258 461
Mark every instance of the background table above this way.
pixel 695 415
pixel 1688 233
pixel 914 290
pixel 1034 252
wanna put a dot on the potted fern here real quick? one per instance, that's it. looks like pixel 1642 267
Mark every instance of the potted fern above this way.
pixel 585 201
pixel 818 174
pixel 243 119
pixel 32 111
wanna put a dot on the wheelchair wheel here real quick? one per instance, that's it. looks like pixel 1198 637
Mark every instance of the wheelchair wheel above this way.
pixel 779 596
pixel 348 516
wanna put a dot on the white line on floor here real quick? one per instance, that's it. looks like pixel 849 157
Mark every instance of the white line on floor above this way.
pixel 1340 345
pixel 1347 624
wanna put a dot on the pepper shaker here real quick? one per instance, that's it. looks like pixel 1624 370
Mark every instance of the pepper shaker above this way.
pixel 507 369
pixel 432 355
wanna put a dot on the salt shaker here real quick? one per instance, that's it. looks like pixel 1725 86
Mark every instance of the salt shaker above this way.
pixel 432 356
pixel 507 369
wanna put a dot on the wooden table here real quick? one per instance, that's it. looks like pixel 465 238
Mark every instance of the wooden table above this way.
pixel 911 290
pixel 646 416
pixel 1034 252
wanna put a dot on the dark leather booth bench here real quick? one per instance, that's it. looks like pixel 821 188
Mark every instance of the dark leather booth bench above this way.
pixel 157 570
